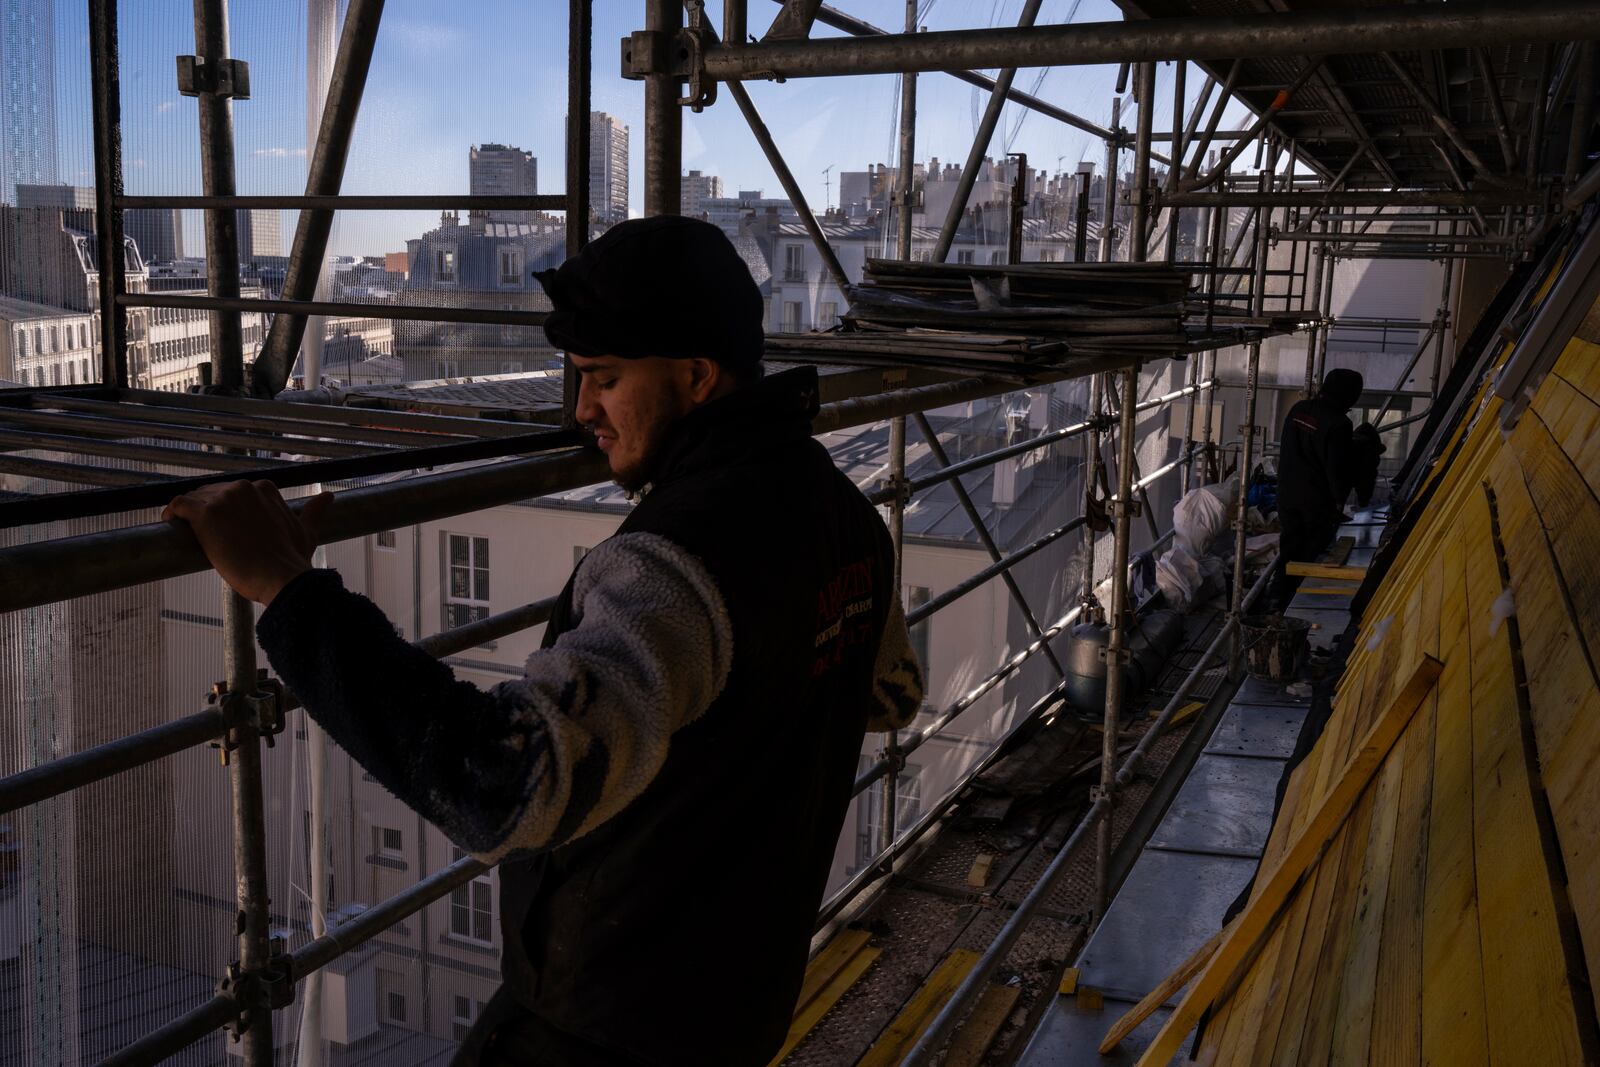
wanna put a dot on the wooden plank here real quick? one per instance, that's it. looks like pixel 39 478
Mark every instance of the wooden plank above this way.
pixel 977 1033
pixel 825 999
pixel 1397 1012
pixel 1454 1029
pixel 829 962
pixel 1258 916
pixel 907 1027
pixel 1247 1003
pixel 1524 964
pixel 1564 693
pixel 1327 983
pixel 1302 977
pixel 1352 1035
pixel 1158 996
pixel 1324 570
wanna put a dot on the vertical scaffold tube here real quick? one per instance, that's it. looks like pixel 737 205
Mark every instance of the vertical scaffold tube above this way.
pixel 1139 194
pixel 249 833
pixel 663 120
pixel 1247 431
pixel 217 179
pixel 1091 477
pixel 1116 647
pixel 1108 214
pixel 897 530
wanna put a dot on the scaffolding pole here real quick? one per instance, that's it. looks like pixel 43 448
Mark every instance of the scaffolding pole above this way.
pixel 214 89
pixel 1248 430
pixel 1420 27
pixel 104 65
pixel 663 116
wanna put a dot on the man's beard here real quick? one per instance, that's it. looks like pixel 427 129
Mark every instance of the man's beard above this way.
pixel 637 475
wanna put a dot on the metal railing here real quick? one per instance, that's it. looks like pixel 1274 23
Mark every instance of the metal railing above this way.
pixel 158 550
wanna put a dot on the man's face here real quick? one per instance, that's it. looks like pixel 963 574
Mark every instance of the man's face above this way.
pixel 628 404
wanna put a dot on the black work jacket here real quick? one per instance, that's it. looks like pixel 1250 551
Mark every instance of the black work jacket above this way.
pixel 677 932
pixel 1316 465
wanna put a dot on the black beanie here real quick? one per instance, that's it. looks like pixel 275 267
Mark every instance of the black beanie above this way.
pixel 1343 387
pixel 661 286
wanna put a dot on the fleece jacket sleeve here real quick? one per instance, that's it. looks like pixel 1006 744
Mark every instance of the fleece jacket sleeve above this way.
pixel 897 676
pixel 534 762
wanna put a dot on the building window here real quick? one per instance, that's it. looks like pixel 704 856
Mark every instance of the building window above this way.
pixel 397 1007
pixel 55 339
pixel 964 255
pixel 869 810
pixel 384 538
pixel 995 257
pixel 466 581
pixel 83 335
pixel 794 263
pixel 791 316
pixel 463 1012
pixel 22 343
pixel 85 365
pixel 916 597
pixel 444 265
pixel 511 266
pixel 472 908
pixel 828 316
pixel 55 374
pixel 387 841
pixel 511 366
pixel 72 372
pixel 1047 255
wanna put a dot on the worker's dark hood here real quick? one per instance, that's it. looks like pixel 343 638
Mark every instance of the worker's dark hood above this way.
pixel 1342 388
pixel 662 286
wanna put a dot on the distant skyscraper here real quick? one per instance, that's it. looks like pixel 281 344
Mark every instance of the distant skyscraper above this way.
pixel 66 197
pixel 259 234
pixel 698 188
pixel 503 170
pixel 27 95
pixel 157 231
pixel 608 168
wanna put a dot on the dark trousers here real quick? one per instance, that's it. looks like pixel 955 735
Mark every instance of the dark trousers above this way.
pixel 1301 541
pixel 509 1035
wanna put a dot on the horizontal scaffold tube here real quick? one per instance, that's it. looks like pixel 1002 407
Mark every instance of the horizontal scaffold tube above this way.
pixel 1497 197
pixel 48 571
pixel 102 761
pixel 1341 31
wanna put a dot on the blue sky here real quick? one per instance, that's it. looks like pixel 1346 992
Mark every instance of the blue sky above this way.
pixel 451 73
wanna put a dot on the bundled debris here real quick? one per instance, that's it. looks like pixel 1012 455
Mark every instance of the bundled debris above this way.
pixel 1126 304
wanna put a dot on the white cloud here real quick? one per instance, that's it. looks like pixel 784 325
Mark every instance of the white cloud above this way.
pixel 165 106
pixel 279 153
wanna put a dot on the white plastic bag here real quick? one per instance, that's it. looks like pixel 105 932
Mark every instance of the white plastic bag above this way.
pixel 1179 578
pixel 1201 515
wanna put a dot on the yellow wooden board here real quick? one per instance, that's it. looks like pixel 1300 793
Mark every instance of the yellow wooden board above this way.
pixel 907 1027
pixel 978 1031
pixel 847 958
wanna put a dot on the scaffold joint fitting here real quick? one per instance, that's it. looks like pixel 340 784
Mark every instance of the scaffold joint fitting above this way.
pixel 227 78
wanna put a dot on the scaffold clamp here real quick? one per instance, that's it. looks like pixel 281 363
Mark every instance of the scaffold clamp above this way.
pixel 702 89
pixel 228 78
pixel 261 710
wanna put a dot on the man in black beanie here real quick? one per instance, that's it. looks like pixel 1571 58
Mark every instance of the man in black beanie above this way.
pixel 1318 465
pixel 670 775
